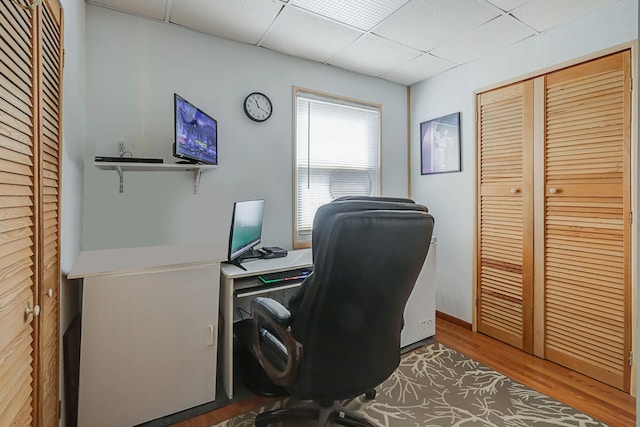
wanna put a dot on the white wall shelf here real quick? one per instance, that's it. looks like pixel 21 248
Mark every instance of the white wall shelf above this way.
pixel 121 167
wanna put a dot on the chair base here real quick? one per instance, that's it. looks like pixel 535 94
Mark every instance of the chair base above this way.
pixel 334 413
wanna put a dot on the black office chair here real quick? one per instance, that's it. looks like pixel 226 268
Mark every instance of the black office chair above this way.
pixel 340 336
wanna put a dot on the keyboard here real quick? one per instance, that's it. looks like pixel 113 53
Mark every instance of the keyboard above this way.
pixel 281 276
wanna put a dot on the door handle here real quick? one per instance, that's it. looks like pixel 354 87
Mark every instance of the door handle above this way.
pixel 28 311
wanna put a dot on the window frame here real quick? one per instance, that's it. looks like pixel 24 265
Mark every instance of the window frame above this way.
pixel 338 99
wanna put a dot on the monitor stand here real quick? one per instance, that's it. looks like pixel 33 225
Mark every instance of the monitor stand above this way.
pixel 235 262
pixel 252 254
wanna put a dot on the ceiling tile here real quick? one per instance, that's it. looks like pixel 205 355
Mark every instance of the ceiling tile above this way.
pixel 362 14
pixel 417 69
pixel 150 8
pixel 545 14
pixel 489 38
pixel 508 5
pixel 451 31
pixel 372 55
pixel 241 20
pixel 424 24
pixel 309 36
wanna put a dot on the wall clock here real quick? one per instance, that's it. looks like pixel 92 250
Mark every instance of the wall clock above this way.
pixel 257 107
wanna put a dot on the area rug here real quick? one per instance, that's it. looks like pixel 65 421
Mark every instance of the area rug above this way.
pixel 437 386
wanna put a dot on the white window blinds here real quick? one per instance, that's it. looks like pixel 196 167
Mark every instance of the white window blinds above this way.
pixel 337 154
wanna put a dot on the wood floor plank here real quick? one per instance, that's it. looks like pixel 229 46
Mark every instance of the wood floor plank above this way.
pixel 609 405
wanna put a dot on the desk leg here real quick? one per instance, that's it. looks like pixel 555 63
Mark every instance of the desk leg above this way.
pixel 226 306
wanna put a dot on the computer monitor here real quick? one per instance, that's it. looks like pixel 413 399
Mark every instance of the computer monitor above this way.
pixel 196 134
pixel 246 230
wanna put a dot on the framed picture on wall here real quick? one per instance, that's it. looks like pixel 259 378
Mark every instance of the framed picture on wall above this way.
pixel 440 145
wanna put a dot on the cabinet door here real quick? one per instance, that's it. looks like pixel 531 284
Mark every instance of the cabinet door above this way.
pixel 505 228
pixel 149 344
pixel 17 215
pixel 587 219
pixel 50 83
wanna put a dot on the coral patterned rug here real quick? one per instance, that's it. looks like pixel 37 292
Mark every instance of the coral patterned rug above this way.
pixel 437 386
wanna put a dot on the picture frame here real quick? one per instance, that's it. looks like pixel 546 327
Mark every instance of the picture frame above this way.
pixel 440 148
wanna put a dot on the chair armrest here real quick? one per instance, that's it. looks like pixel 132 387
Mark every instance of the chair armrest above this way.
pixel 273 309
pixel 277 317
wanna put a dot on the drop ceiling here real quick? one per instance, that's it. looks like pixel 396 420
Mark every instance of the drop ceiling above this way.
pixel 403 41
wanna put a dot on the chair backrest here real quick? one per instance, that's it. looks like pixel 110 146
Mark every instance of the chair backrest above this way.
pixel 349 318
pixel 351 204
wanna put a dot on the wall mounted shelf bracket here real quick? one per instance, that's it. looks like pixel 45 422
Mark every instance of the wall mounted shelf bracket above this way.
pixel 120 168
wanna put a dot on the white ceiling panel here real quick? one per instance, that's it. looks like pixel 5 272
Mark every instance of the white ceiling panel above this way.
pixel 151 8
pixel 545 14
pixel 508 5
pixel 382 38
pixel 309 36
pixel 373 55
pixel 417 69
pixel 424 24
pixel 362 14
pixel 489 38
pixel 241 20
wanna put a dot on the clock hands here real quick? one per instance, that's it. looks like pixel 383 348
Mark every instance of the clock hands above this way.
pixel 258 105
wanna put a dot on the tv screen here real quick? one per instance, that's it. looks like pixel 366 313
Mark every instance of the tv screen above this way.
pixel 246 227
pixel 196 134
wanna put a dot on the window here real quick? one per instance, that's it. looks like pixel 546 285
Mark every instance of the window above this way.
pixel 337 147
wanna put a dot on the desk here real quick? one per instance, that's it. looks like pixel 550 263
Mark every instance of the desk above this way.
pixel 232 279
pixel 149 331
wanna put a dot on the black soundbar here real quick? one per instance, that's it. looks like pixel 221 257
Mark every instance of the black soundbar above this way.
pixel 108 159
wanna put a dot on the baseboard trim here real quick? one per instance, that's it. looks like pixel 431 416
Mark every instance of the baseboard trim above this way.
pixel 454 320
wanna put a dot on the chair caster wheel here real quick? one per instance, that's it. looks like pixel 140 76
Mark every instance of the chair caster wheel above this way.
pixel 371 394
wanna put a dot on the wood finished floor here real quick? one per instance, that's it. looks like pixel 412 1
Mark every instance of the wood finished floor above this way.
pixel 609 405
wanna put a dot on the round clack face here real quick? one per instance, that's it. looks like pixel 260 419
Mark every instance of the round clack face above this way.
pixel 258 107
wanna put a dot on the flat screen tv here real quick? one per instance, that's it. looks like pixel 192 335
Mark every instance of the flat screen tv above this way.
pixel 196 134
pixel 246 230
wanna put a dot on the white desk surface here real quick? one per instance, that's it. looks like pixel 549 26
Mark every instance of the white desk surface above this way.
pixel 134 260
pixel 294 259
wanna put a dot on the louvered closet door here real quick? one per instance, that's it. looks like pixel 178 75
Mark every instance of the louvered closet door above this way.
pixel 587 219
pixel 17 227
pixel 505 239
pixel 50 71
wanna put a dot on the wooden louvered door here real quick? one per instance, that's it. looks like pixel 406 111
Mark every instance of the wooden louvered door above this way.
pixel 17 216
pixel 587 218
pixel 554 217
pixel 505 228
pixel 50 117
pixel 30 81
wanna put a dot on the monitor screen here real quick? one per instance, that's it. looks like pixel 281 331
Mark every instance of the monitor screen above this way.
pixel 196 134
pixel 246 227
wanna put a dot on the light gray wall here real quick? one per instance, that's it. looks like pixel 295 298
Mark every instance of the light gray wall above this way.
pixel 135 65
pixel 73 138
pixel 450 197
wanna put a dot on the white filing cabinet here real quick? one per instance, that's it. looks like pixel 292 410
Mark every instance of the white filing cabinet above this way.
pixel 420 311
